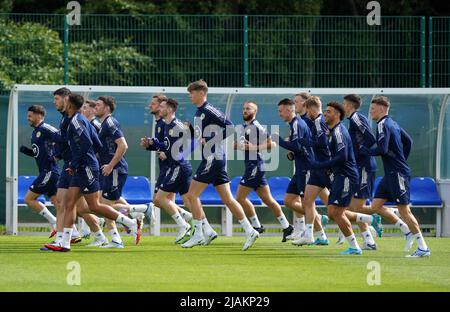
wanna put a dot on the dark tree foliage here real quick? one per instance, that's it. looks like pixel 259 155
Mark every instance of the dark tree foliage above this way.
pixel 270 7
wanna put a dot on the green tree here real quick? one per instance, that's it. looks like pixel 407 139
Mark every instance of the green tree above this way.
pixel 107 63
pixel 31 53
pixel 6 6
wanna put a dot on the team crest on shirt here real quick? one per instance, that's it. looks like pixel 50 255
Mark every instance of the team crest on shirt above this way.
pixel 38 134
pixel 248 131
pixel 202 116
pixel 170 132
pixel 35 149
pixel 197 132
pixel 159 129
pixel 166 142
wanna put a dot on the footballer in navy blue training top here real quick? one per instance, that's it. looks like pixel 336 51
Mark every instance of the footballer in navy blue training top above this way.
pixel 43 150
pixel 301 110
pixel 63 152
pixel 362 135
pixel 158 134
pixel 345 173
pixel 88 110
pixel 84 172
pixel 113 166
pixel 254 139
pixel 303 153
pixel 92 222
pixel 394 148
pixel 154 108
pixel 317 180
pixel 211 127
pixel 174 147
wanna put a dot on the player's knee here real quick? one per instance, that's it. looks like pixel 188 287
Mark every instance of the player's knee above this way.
pixel 377 208
pixel 241 198
pixel 189 198
pixel 308 201
pixel 60 201
pixel 229 200
pixel 28 200
pixel 333 213
pixel 269 201
pixel 55 203
pixel 288 201
pixel 93 205
pixel 405 212
pixel 158 200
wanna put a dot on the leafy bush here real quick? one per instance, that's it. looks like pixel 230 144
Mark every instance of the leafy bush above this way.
pixel 31 53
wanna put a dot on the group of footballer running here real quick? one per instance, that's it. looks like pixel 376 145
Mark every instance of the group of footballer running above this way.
pixel 332 162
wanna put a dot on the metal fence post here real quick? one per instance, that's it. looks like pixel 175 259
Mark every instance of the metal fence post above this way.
pixel 430 52
pixel 246 83
pixel 66 50
pixel 423 66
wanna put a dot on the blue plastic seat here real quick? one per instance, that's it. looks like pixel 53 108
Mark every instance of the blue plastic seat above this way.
pixel 253 197
pixel 319 202
pixel 24 183
pixel 178 199
pixel 424 192
pixel 137 190
pixel 210 196
pixel 278 187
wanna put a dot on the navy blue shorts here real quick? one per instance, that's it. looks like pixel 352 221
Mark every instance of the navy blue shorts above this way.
pixel 64 179
pixel 86 179
pixel 100 181
pixel 112 185
pixel 254 177
pixel 320 178
pixel 177 180
pixel 161 176
pixel 394 187
pixel 298 183
pixel 45 183
pixel 342 191
pixel 366 183
pixel 212 171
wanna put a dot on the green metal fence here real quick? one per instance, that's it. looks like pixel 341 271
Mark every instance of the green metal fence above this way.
pixel 225 50
pixel 439 51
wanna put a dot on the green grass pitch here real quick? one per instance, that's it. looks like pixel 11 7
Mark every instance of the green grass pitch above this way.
pixel 159 265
